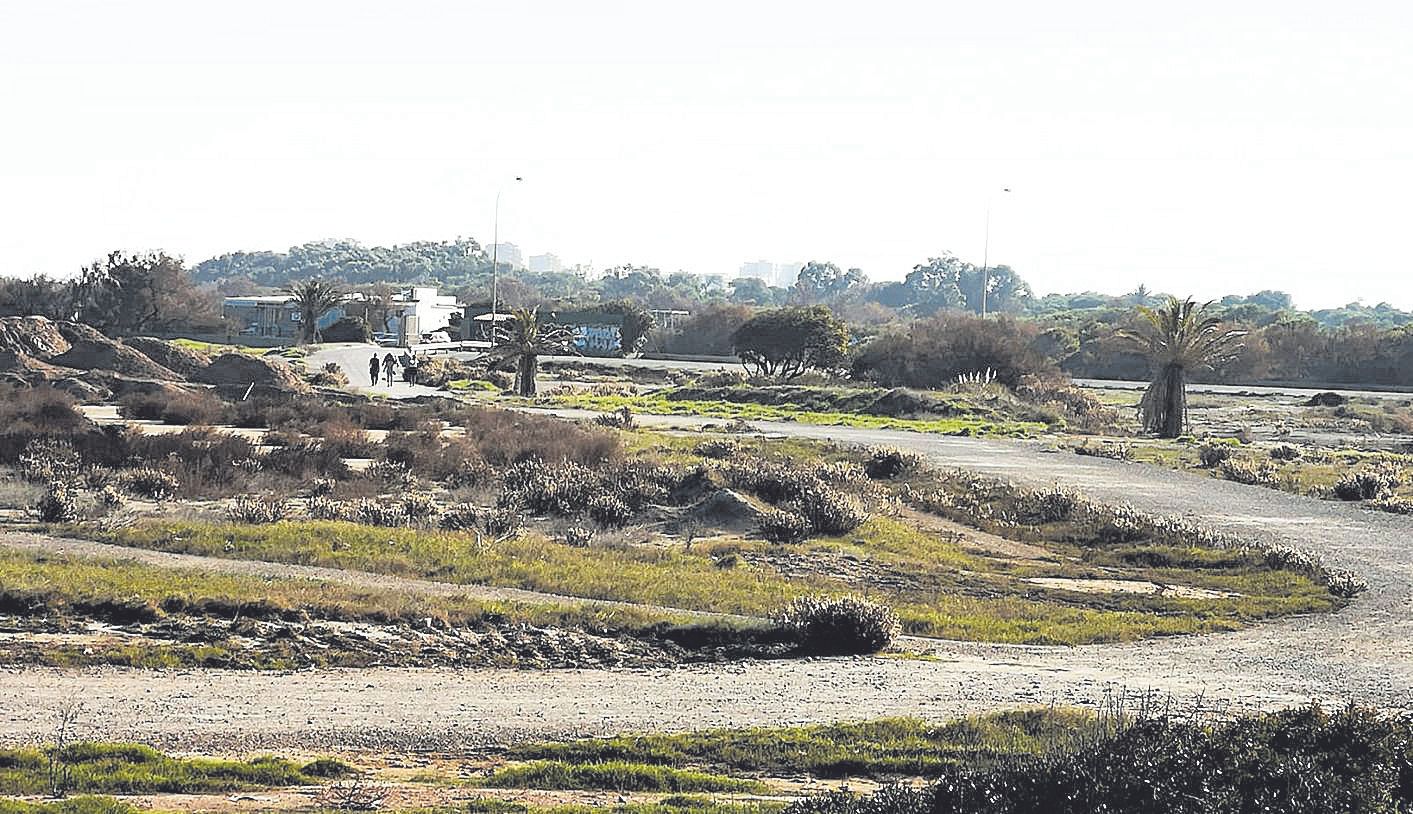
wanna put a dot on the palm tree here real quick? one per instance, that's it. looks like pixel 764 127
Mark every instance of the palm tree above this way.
pixel 314 298
pixel 1178 337
pixel 525 339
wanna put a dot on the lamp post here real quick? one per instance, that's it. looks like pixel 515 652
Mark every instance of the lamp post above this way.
pixel 495 262
pixel 985 252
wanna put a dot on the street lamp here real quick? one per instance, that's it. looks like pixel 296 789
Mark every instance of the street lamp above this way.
pixel 495 262
pixel 985 251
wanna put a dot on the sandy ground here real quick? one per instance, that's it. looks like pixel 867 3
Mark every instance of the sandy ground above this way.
pixel 1363 653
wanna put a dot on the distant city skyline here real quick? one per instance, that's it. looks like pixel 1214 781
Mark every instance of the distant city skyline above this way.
pixel 1232 147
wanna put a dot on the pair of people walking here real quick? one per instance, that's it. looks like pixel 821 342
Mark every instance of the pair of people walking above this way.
pixel 386 365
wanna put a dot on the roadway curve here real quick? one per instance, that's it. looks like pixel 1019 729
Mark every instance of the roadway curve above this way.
pixel 1363 653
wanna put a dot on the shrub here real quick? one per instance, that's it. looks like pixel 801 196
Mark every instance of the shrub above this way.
pixel 1262 474
pixel 180 407
pixel 1051 505
pixel 461 517
pixel 1214 453
pixel 40 410
pixel 256 510
pixel 379 513
pixel 305 460
pixel 48 459
pixel 504 437
pixel 782 526
pixel 58 504
pixel 419 507
pixel 1368 484
pixel 934 351
pixel 109 497
pixel 829 511
pixel 609 511
pixel 390 474
pixel 330 375
pixel 620 419
pixel 322 487
pixel 718 448
pixel 887 463
pixel 1392 504
pixel 578 536
pixel 502 522
pixel 1285 452
pixel 845 625
pixel 563 489
pixel 151 483
pixel 347 329
pixel 323 508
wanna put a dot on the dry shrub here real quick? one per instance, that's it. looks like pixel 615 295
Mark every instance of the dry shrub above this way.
pixel 783 527
pixel 175 407
pixel 609 510
pixel 719 448
pixel 1368 484
pixel 1215 453
pixel 58 505
pixel 151 483
pixel 306 460
pixel 887 463
pixel 844 625
pixel 256 510
pixel 505 437
pixel 346 438
pixel 40 410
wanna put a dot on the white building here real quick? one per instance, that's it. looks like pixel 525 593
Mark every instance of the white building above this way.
pixel 781 275
pixel 508 254
pixel 429 311
pixel 546 263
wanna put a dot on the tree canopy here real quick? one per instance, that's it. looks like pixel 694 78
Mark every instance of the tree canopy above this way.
pixel 787 342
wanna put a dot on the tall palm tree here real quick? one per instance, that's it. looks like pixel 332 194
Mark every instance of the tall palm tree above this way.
pixel 314 298
pixel 1178 337
pixel 525 340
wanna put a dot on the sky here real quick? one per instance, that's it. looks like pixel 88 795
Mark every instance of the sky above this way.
pixel 1201 148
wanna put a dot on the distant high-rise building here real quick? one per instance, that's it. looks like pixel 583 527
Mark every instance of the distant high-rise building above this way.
pixel 546 263
pixel 508 254
pixel 782 275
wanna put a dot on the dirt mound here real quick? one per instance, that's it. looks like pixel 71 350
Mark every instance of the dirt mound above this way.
pixel 1327 399
pixel 901 402
pixel 241 370
pixel 169 354
pixel 32 336
pixel 727 510
pixel 91 350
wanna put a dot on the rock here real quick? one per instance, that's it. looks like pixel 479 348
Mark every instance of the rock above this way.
pixel 91 350
pixel 239 370
pixel 36 337
pixel 1327 399
pixel 170 355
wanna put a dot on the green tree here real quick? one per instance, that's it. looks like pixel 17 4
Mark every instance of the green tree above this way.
pixel 130 294
pixel 825 282
pixel 314 298
pixel 524 341
pixel 1178 337
pixel 787 342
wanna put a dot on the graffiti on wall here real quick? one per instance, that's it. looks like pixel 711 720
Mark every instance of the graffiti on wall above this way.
pixel 596 339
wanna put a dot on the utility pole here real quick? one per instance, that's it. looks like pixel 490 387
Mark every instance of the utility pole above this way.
pixel 495 263
pixel 985 256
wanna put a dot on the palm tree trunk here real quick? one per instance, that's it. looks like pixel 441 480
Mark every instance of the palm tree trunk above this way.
pixel 529 366
pixel 1175 410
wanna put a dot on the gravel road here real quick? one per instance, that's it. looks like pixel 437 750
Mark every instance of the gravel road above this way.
pixel 1363 653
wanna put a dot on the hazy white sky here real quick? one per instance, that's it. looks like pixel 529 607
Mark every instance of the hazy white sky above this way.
pixel 1201 147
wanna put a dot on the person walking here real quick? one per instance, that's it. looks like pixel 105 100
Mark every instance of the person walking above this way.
pixel 389 365
pixel 374 365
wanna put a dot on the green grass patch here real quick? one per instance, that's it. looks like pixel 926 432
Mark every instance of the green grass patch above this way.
pixel 951 594
pixel 659 404
pixel 218 348
pixel 670 804
pixel 887 747
pixel 73 805
pixel 614 775
pixel 129 768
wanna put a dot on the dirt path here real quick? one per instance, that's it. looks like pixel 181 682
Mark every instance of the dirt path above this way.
pixel 1364 653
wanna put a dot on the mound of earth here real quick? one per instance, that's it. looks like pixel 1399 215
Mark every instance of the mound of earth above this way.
pixel 91 350
pixel 239 370
pixel 36 337
pixel 728 510
pixel 1327 399
pixel 170 355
